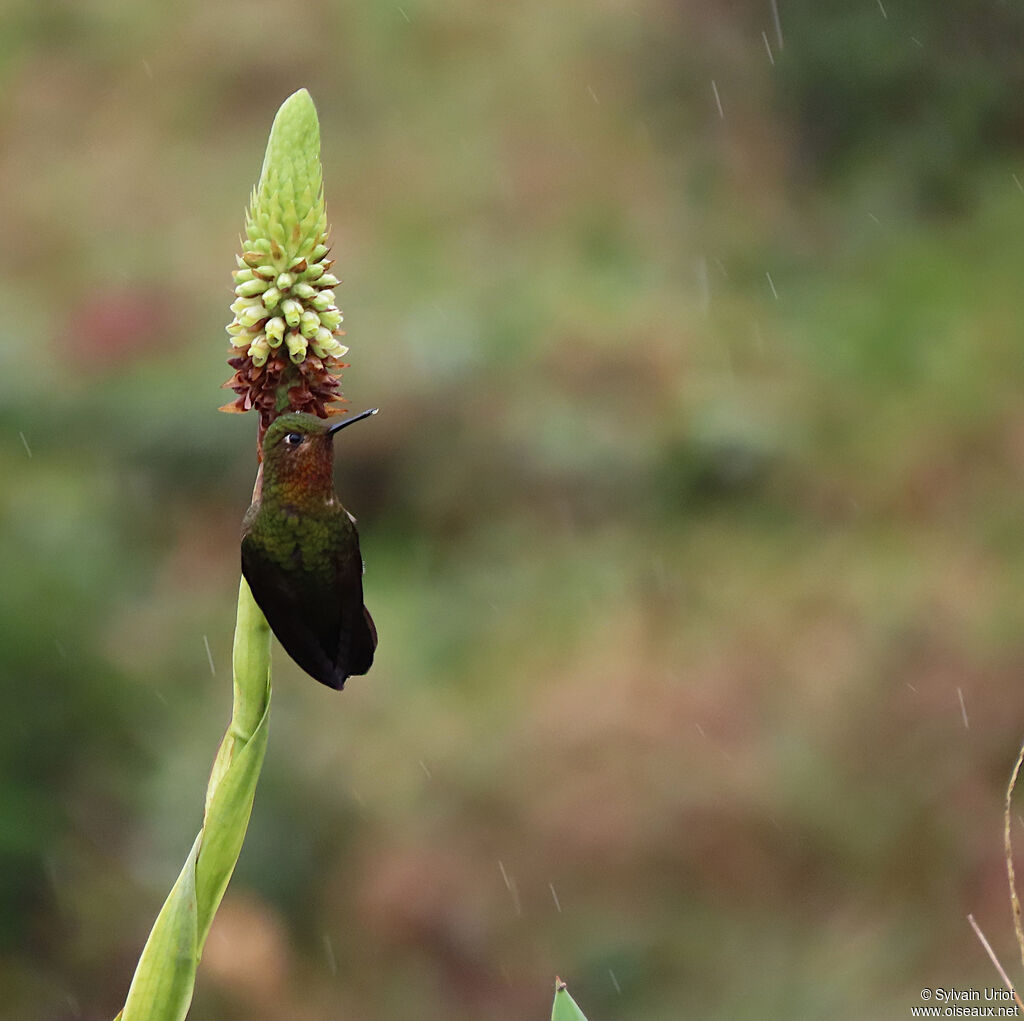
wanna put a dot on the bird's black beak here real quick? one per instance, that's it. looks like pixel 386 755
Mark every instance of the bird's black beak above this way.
pixel 349 421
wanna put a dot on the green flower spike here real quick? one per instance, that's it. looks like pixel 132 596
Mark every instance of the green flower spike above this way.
pixel 283 281
pixel 287 356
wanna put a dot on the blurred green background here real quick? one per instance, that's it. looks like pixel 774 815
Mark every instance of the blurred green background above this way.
pixel 693 516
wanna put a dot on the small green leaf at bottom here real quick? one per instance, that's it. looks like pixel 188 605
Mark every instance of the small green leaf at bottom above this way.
pixel 565 1008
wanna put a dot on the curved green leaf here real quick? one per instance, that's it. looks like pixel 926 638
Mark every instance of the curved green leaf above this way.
pixel 165 977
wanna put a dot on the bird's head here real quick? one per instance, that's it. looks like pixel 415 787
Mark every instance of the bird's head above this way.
pixel 298 449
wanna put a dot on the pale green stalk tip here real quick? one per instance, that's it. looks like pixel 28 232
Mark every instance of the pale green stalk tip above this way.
pixel 287 218
pixel 565 1007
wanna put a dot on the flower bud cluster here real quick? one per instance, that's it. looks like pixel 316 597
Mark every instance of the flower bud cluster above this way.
pixel 286 350
pixel 294 307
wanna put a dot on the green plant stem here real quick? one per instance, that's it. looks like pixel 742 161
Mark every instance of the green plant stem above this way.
pixel 165 977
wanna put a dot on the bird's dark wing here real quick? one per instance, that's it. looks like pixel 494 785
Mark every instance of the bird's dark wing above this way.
pixel 281 597
pixel 357 639
pixel 323 625
pixel 350 631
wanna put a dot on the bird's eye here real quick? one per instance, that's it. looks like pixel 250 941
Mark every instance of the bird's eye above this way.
pixel 293 439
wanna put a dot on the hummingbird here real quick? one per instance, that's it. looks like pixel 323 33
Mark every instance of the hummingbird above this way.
pixel 300 552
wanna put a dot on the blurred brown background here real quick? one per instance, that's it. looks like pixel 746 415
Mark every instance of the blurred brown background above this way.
pixel 693 515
